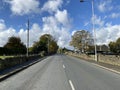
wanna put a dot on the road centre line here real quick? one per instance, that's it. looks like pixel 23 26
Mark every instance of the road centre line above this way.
pixel 71 84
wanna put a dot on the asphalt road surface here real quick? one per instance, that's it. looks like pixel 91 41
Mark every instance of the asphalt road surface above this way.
pixel 60 72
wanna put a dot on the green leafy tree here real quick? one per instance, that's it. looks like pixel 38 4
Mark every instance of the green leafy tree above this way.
pixel 15 45
pixel 46 43
pixel 112 46
pixel 81 40
pixel 53 47
pixel 115 46
pixel 118 45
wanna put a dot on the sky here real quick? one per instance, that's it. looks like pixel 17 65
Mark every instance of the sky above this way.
pixel 60 18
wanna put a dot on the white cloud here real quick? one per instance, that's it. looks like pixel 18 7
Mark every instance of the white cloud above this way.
pixel 21 7
pixel 52 5
pixel 98 21
pixel 57 26
pixel 5 34
pixel 105 5
pixel 53 26
pixel 68 1
pixel 86 23
pixel 108 24
pixel 115 15
pixel 34 34
pixel 2 25
pixel 62 17
pixel 73 32
pixel 107 34
pixel 64 38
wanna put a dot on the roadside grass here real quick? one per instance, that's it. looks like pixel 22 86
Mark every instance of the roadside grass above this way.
pixel 3 57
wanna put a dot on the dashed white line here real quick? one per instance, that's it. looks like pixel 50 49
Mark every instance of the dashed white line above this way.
pixel 63 66
pixel 71 84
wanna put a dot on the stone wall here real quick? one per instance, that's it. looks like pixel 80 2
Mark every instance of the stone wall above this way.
pixel 9 62
pixel 109 59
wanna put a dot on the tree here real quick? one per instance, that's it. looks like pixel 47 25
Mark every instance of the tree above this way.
pixel 81 40
pixel 15 45
pixel 53 47
pixel 46 43
pixel 112 46
pixel 115 46
pixel 118 45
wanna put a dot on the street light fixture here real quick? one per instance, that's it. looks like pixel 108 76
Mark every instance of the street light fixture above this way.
pixel 81 0
pixel 93 25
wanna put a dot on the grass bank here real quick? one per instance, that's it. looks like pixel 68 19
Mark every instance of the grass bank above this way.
pixel 4 57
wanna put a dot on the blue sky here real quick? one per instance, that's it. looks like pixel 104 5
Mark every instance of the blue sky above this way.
pixel 61 18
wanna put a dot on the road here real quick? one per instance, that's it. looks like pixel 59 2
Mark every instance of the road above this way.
pixel 60 72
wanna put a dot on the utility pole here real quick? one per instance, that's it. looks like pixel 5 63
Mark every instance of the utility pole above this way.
pixel 94 31
pixel 28 39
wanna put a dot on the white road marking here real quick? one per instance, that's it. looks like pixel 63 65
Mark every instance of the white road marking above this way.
pixel 117 72
pixel 71 84
pixel 63 66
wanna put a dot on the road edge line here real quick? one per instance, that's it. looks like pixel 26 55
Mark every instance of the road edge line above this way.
pixel 112 70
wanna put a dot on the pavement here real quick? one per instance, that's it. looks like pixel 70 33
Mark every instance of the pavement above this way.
pixel 60 72
pixel 4 74
pixel 113 68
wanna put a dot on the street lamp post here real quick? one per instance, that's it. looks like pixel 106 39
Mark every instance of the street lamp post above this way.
pixel 28 40
pixel 93 26
pixel 93 22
